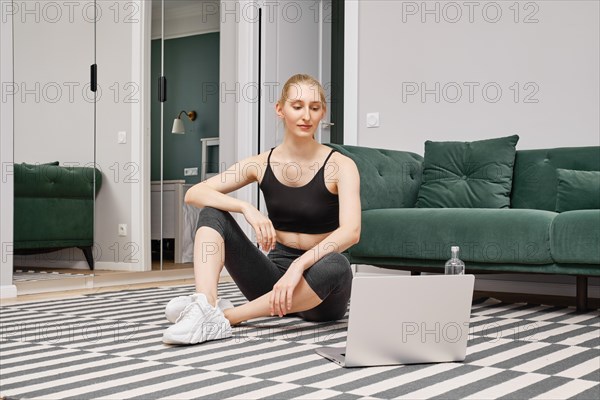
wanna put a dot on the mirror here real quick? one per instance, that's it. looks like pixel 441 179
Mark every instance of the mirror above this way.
pixel 185 48
pixel 54 140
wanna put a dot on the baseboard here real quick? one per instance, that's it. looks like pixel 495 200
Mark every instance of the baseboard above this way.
pixel 119 266
pixel 8 291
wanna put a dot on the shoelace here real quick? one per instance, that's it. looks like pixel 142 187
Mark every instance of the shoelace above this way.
pixel 190 311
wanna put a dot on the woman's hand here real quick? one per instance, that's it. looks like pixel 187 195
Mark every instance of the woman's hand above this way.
pixel 280 300
pixel 265 233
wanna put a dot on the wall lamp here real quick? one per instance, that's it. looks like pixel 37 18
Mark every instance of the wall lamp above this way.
pixel 178 123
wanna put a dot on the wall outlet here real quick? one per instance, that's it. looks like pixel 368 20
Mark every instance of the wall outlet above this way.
pixel 122 229
pixel 190 171
pixel 122 137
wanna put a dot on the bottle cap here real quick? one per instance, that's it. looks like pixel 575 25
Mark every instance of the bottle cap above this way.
pixel 454 248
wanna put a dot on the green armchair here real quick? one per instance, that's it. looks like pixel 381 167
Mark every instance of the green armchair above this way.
pixel 54 208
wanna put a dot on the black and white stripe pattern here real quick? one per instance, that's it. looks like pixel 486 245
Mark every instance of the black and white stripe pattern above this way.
pixel 108 345
pixel 33 275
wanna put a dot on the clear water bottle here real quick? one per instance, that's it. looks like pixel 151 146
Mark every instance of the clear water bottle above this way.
pixel 455 266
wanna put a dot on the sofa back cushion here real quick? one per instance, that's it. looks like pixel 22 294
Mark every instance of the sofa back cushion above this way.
pixel 474 174
pixel 577 190
pixel 388 178
pixel 535 179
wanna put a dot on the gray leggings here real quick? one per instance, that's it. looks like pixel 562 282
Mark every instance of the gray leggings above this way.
pixel 256 273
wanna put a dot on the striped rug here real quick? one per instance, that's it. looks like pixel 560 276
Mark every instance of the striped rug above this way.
pixel 20 275
pixel 108 346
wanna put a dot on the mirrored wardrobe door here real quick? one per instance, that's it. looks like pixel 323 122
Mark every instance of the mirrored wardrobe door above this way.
pixel 54 154
pixel 120 114
pixel 191 46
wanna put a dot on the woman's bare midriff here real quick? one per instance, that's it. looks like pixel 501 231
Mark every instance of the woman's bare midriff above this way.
pixel 302 241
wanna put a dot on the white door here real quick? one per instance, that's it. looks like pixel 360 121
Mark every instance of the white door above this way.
pixel 295 38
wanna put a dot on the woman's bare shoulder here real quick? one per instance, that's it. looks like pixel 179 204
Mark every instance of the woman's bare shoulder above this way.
pixel 341 160
pixel 258 164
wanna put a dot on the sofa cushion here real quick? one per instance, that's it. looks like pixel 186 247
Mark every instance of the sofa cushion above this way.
pixel 468 174
pixel 389 178
pixel 535 176
pixel 484 235
pixel 577 190
pixel 575 237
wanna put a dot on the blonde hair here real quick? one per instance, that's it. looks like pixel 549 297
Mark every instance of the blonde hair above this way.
pixel 297 80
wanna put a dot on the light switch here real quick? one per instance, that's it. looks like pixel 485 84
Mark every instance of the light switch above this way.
pixel 122 137
pixel 373 120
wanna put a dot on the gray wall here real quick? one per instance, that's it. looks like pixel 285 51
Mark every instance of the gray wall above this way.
pixel 551 51
pixel 554 61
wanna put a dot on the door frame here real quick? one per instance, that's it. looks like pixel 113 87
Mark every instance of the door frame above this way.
pixel 7 288
pixel 350 84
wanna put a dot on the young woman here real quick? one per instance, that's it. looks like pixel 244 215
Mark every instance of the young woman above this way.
pixel 312 194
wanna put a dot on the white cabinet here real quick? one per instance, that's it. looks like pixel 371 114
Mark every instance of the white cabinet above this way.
pixel 172 213
pixel 178 219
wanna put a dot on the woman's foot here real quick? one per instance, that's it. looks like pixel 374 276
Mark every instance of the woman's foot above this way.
pixel 178 304
pixel 197 323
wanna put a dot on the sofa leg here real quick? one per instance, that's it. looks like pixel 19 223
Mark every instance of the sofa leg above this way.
pixel 87 252
pixel 415 272
pixel 581 298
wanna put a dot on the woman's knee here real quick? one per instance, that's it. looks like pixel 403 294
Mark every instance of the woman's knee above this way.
pixel 213 218
pixel 211 213
pixel 338 268
pixel 331 274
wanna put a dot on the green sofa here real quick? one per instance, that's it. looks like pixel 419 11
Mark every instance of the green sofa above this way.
pixel 528 237
pixel 54 208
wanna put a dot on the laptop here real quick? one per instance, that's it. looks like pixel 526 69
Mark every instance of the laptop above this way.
pixel 403 319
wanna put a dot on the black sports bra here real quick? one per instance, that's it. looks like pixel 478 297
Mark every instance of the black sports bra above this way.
pixel 311 208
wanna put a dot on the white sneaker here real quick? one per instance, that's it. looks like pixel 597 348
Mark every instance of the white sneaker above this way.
pixel 176 306
pixel 198 322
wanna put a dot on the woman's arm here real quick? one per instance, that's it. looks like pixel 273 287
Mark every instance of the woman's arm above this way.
pixel 348 233
pixel 213 193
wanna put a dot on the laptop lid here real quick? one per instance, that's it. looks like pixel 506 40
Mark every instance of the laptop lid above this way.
pixel 408 319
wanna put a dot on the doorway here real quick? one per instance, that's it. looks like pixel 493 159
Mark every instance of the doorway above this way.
pixel 185 52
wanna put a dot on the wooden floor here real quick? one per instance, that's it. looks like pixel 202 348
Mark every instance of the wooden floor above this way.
pixel 167 265
pixel 79 292
pixel 593 303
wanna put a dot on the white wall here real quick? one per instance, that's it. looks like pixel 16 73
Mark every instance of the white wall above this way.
pixel 555 62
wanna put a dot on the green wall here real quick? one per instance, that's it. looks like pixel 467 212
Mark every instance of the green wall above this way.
pixel 192 71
